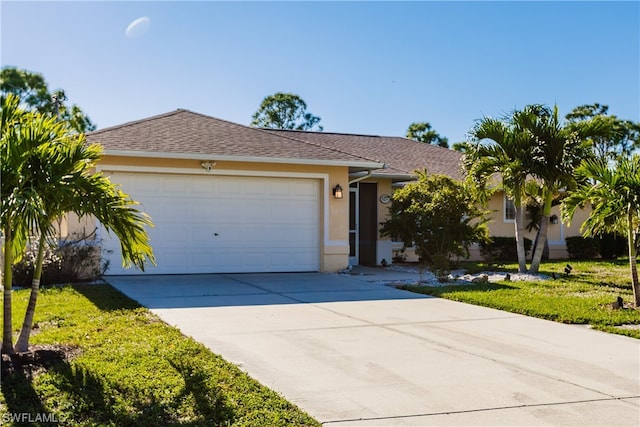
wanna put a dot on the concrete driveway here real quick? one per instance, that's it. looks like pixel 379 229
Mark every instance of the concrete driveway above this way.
pixel 352 352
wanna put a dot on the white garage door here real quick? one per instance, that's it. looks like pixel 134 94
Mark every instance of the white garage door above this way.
pixel 224 224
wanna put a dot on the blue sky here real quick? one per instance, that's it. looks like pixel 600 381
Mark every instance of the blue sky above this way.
pixel 363 67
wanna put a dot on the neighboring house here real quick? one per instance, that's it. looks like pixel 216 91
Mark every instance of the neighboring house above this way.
pixel 230 198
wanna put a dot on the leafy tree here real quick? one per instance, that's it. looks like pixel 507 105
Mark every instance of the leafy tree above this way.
pixel 614 136
pixel 34 94
pixel 502 151
pixel 613 191
pixel 439 217
pixel 285 111
pixel 422 132
pixel 46 172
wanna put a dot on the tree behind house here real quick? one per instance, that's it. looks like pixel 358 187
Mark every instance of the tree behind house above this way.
pixel 285 111
pixel 423 132
pixel 613 137
pixel 34 94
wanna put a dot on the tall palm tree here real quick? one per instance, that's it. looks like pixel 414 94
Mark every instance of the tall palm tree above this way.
pixel 614 195
pixel 16 213
pixel 557 152
pixel 50 175
pixel 503 149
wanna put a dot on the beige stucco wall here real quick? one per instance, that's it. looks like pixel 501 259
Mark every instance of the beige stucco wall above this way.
pixel 334 224
pixel 556 232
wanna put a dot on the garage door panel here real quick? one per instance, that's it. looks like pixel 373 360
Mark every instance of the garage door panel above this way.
pixel 262 224
pixel 169 210
pixel 200 187
pixel 228 188
pixel 302 258
pixel 168 259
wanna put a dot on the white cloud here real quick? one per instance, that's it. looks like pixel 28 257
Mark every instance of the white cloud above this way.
pixel 138 28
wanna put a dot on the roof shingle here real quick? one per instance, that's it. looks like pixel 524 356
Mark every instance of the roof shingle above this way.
pixel 184 132
pixel 402 156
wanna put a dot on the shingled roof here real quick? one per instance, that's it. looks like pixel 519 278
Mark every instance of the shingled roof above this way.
pixel 402 156
pixel 184 134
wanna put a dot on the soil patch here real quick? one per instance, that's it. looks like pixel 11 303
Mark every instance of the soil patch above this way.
pixel 37 360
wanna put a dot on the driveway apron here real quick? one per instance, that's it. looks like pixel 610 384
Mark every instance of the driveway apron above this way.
pixel 352 352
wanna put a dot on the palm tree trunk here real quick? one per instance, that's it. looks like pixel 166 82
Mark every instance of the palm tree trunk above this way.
pixel 632 259
pixel 542 237
pixel 7 328
pixel 522 256
pixel 22 345
pixel 537 255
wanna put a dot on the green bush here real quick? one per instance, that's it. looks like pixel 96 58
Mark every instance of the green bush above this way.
pixel 439 217
pixel 612 245
pixel 582 247
pixel 502 248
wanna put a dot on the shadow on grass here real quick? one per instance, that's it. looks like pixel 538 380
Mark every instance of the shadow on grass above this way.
pixel 83 397
pixel 17 386
pixel 209 401
pixel 615 286
pixel 440 290
pixel 106 297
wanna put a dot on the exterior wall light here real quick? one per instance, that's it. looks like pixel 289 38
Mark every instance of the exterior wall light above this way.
pixel 337 191
pixel 554 219
pixel 207 165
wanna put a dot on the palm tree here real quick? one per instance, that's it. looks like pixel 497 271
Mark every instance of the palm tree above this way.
pixel 557 151
pixel 15 211
pixel 502 148
pixel 49 176
pixel 614 195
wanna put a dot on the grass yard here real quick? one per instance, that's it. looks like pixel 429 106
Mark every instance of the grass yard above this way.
pixel 585 296
pixel 128 368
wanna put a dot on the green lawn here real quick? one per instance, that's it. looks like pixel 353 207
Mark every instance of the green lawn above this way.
pixel 582 297
pixel 131 369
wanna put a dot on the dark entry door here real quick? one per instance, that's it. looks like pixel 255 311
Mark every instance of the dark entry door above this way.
pixel 368 222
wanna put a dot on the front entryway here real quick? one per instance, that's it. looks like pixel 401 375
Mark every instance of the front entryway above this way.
pixel 363 223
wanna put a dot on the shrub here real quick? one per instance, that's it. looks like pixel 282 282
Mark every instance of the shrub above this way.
pixel 439 217
pixel 72 260
pixel 612 246
pixel 502 248
pixel 582 247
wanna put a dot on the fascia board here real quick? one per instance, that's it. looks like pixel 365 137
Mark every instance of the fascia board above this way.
pixel 250 159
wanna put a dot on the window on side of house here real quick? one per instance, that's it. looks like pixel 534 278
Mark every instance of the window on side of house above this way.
pixel 509 210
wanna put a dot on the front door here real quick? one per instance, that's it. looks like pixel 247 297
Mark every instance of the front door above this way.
pixel 367 223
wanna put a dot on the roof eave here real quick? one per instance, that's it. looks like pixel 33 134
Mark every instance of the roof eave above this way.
pixel 250 159
pixel 395 177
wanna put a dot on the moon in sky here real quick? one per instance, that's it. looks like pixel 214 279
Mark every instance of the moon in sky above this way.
pixel 138 28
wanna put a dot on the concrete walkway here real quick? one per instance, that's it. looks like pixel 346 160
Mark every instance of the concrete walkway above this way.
pixel 355 353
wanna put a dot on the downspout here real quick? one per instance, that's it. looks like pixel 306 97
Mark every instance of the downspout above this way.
pixel 369 173
pixel 360 178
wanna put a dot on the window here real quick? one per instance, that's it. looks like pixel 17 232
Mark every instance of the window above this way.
pixel 509 210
